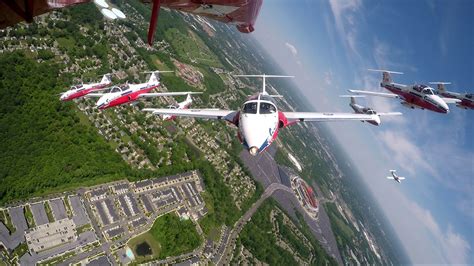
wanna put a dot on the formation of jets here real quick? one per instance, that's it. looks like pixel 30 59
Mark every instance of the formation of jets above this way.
pixel 126 93
pixel 259 119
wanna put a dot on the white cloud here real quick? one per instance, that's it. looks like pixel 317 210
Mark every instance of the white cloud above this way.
pixel 455 248
pixel 404 152
pixel 344 13
pixel 328 76
pixel 292 48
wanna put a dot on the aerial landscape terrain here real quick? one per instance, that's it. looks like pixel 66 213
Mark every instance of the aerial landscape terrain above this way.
pixel 83 186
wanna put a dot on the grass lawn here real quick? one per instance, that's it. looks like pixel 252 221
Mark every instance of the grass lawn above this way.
pixel 68 43
pixel 5 218
pixel 189 45
pixel 29 217
pixel 169 236
pixel 49 213
pixel 148 238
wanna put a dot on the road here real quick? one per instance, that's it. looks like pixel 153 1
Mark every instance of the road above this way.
pixel 266 171
pixel 229 246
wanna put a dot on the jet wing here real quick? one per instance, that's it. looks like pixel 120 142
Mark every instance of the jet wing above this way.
pixel 322 117
pixel 389 114
pixel 372 93
pixel 198 113
pixel 92 95
pixel 161 94
pixel 451 100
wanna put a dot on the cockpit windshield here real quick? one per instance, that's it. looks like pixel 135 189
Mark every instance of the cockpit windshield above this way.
pixel 369 111
pixel 250 108
pixel 116 89
pixel 427 91
pixel 419 88
pixel 469 96
pixel 267 108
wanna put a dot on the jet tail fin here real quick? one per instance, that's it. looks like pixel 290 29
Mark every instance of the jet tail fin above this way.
pixel 386 77
pixel 105 79
pixel 440 85
pixel 189 99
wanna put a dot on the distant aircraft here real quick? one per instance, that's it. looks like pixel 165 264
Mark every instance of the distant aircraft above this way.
pixel 412 96
pixel 242 13
pixel 259 119
pixel 466 100
pixel 182 105
pixel 395 176
pixel 132 92
pixel 80 90
pixel 359 109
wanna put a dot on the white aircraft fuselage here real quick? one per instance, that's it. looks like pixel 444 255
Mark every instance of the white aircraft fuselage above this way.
pixel 418 96
pixel 129 93
pixel 258 122
pixel 83 89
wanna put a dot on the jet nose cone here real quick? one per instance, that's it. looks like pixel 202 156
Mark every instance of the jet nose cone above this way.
pixel 442 104
pixel 253 151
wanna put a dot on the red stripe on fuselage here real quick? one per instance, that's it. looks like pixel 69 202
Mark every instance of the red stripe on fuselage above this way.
pixel 85 92
pixel 133 96
pixel 415 100
pixel 466 104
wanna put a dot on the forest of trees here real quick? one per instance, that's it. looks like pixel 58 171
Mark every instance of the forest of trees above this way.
pixel 44 146
pixel 174 235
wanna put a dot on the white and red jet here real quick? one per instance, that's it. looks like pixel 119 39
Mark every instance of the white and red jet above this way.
pixel 465 100
pixel 84 89
pixel 259 119
pixel 181 105
pixel 412 96
pixel 359 109
pixel 132 92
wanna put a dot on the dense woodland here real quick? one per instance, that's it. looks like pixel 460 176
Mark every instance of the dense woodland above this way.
pixel 45 148
pixel 174 235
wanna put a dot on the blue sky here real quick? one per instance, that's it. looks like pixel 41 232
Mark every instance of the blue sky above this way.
pixel 328 45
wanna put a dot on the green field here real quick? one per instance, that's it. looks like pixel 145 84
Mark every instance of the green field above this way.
pixel 169 236
pixel 20 250
pixel 29 217
pixel 5 218
pixel 49 213
pixel 150 240
pixel 190 47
